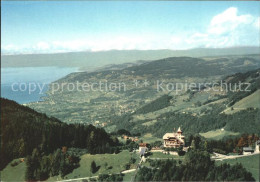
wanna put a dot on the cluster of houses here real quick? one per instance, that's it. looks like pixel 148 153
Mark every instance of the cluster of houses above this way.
pixel 176 140
pixel 133 139
pixel 99 124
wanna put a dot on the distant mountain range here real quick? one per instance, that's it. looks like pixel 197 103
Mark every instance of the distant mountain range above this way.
pixel 95 60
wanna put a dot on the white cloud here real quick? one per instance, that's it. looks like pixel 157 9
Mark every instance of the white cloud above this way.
pixel 228 21
pixel 9 47
pixel 120 43
pixel 257 23
pixel 73 45
pixel 228 29
pixel 42 46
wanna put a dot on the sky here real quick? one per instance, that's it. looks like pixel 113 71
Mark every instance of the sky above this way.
pixel 65 26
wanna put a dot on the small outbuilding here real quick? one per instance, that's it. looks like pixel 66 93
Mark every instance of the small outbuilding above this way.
pixel 248 150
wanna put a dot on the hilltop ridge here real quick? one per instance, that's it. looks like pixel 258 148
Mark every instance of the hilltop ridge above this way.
pixel 95 60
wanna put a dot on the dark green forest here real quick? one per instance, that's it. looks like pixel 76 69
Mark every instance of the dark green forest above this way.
pixel 157 104
pixel 23 130
pixel 40 167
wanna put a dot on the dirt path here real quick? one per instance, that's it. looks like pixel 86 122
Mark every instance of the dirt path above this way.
pixel 220 157
pixel 75 179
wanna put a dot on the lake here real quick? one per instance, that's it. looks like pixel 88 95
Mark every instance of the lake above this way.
pixel 29 84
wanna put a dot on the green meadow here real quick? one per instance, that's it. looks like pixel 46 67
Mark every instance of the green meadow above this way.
pixel 251 163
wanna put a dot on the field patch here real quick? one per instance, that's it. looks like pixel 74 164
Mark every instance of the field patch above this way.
pixel 14 173
pixel 149 123
pixel 160 155
pixel 107 164
pixel 218 134
pixel 149 138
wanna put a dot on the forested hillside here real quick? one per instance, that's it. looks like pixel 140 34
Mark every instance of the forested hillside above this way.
pixel 23 130
pixel 167 112
pixel 251 77
pixel 245 121
pixel 160 103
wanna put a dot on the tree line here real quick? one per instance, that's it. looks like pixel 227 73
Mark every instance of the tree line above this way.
pixel 23 130
pixel 197 166
pixel 223 146
pixel 40 167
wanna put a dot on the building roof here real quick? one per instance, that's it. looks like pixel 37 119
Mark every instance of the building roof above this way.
pixel 168 135
pixel 247 149
pixel 172 135
pixel 179 130
pixel 142 144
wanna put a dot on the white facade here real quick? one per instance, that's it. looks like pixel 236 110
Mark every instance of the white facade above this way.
pixel 257 143
pixel 246 153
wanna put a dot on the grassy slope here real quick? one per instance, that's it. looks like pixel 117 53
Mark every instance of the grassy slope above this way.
pixel 252 100
pixel 128 176
pixel 117 161
pixel 251 163
pixel 148 138
pixel 161 155
pixel 217 134
pixel 16 173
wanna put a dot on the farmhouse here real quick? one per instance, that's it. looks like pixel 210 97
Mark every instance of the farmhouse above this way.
pixel 142 148
pixel 173 140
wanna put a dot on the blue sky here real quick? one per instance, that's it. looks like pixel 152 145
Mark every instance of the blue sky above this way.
pixel 45 26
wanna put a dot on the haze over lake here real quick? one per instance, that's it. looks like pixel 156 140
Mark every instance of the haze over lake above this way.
pixel 15 81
